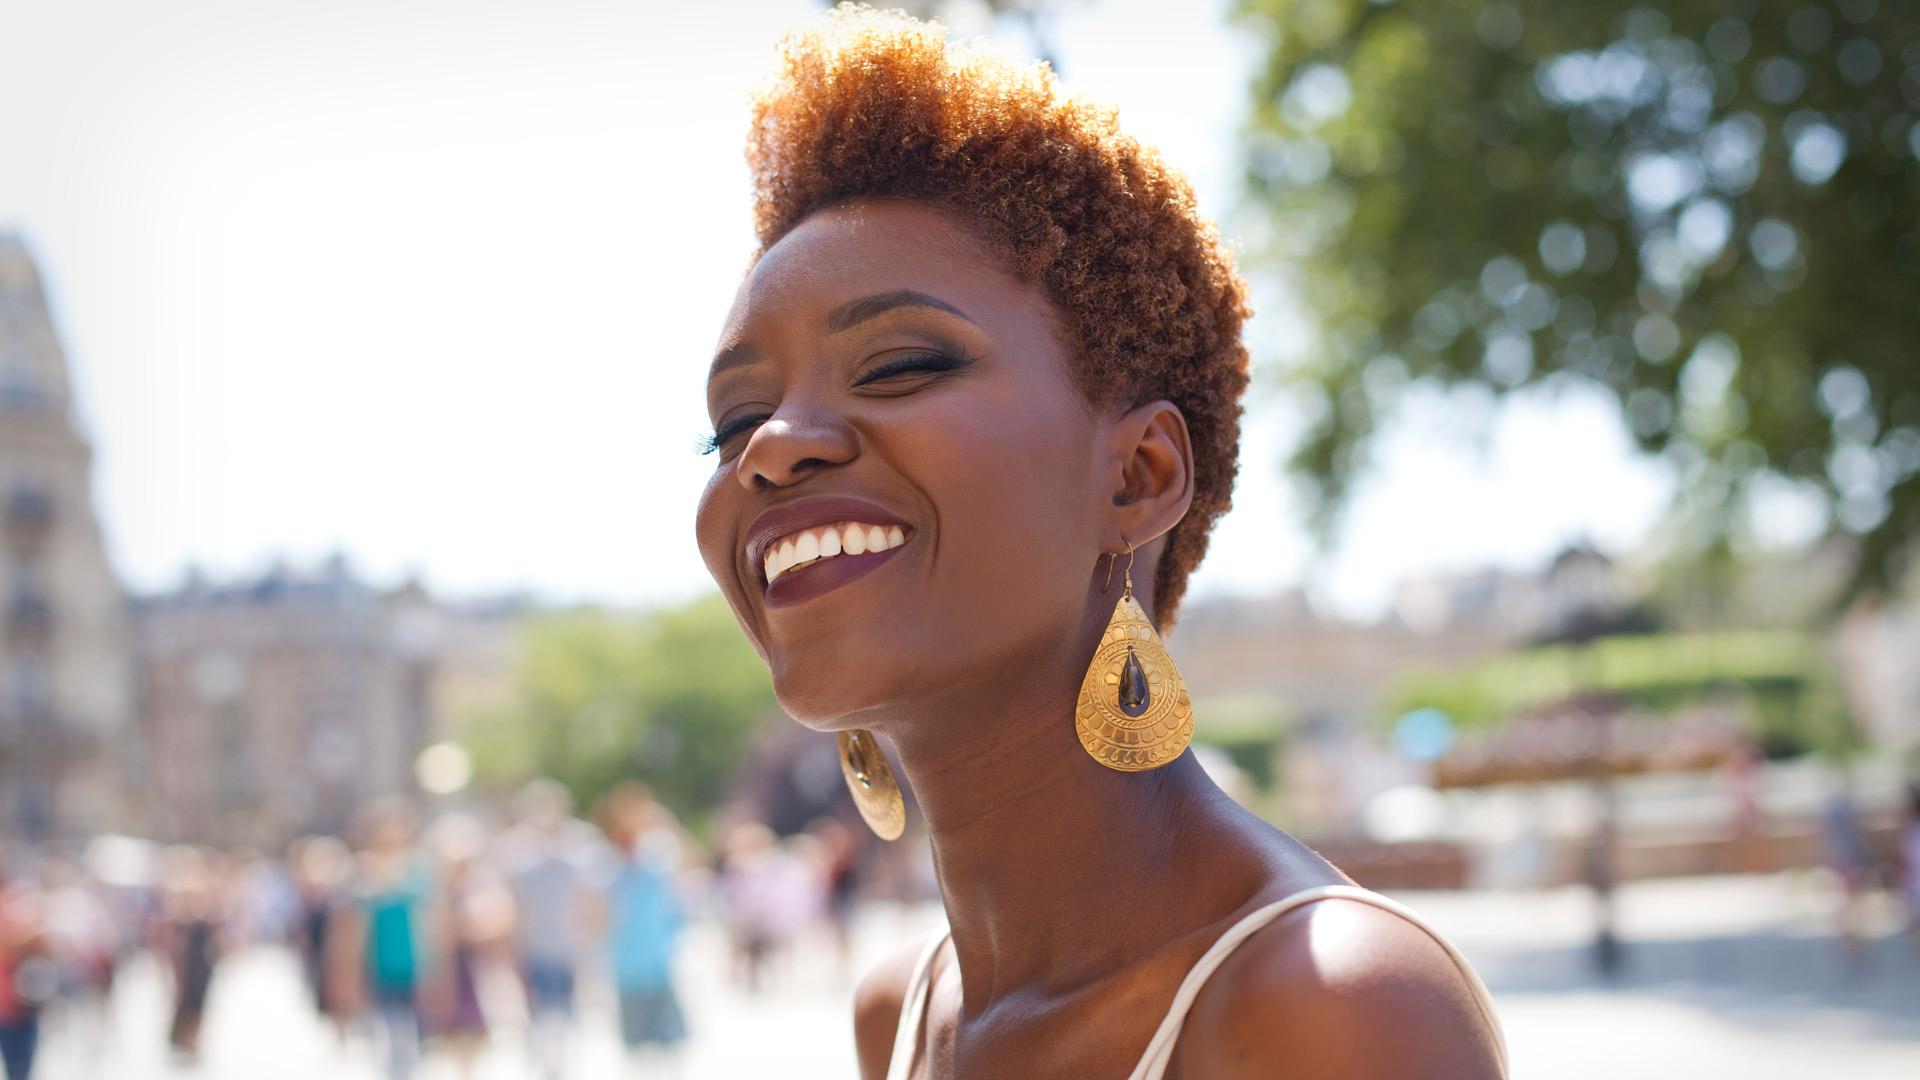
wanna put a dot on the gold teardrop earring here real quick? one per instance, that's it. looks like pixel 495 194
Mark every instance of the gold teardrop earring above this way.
pixel 1133 713
pixel 876 794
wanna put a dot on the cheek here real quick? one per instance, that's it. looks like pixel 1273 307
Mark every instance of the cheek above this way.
pixel 710 531
pixel 1012 486
pixel 713 526
pixel 1006 480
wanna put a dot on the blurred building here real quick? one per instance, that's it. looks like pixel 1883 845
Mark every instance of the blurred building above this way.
pixel 1296 696
pixel 276 706
pixel 65 668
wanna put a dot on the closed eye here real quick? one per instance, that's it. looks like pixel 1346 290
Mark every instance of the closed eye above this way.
pixel 732 430
pixel 923 364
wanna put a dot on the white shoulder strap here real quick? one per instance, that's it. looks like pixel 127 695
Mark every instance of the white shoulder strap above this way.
pixel 913 1008
pixel 1153 1065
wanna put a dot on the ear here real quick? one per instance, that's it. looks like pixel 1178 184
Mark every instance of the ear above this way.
pixel 1151 473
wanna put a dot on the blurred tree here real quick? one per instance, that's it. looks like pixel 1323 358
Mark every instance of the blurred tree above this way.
pixel 1783 679
pixel 1711 207
pixel 668 698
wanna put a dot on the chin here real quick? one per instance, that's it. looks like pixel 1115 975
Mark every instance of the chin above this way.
pixel 840 692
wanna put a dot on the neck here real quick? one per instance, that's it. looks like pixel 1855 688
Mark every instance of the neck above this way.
pixel 1056 870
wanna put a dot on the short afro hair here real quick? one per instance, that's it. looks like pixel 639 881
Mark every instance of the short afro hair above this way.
pixel 878 105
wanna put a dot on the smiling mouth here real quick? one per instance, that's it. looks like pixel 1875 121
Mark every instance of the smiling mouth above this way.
pixel 810 547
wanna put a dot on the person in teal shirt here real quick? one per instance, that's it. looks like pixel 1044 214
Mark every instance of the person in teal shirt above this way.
pixel 396 881
pixel 644 915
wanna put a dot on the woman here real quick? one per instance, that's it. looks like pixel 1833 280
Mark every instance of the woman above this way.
pixel 975 410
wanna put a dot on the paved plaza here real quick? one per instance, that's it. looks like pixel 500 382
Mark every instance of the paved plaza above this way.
pixel 1725 977
pixel 1721 977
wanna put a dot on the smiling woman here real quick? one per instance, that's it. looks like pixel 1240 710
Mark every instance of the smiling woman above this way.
pixel 984 371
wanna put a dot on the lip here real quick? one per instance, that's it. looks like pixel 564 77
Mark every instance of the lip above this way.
pixel 797 586
pixel 778 521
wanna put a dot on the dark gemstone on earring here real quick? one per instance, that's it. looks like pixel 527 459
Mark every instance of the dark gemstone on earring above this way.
pixel 1134 695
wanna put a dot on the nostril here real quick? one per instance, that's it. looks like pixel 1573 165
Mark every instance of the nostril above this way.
pixel 792 473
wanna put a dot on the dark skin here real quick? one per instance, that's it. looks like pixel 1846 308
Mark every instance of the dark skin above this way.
pixel 1078 896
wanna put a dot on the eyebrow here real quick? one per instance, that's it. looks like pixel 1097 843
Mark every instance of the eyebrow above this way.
pixel 845 317
pixel 733 356
pixel 854 312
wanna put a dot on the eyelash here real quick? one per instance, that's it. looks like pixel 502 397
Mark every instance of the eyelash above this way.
pixel 732 429
pixel 931 363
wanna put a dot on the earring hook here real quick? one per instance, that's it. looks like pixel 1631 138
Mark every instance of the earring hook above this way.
pixel 1114 557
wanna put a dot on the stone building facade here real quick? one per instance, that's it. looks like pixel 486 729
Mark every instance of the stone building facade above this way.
pixel 68 759
pixel 276 706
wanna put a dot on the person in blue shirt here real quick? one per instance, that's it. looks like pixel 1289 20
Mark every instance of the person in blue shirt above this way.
pixel 549 855
pixel 644 916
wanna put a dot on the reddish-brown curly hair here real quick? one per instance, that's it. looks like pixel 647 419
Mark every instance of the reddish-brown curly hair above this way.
pixel 875 105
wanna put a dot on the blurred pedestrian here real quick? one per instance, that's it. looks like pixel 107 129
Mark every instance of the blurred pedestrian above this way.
pixel 322 871
pixel 192 914
pixel 266 901
pixel 84 944
pixel 771 896
pixel 644 915
pixel 27 977
pixel 548 851
pixel 1745 774
pixel 1849 857
pixel 840 850
pixel 475 915
pixel 391 897
pixel 1909 856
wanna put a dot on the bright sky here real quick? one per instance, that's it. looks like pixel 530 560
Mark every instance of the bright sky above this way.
pixel 433 283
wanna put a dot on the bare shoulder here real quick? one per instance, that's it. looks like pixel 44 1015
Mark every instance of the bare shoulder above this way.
pixel 877 1004
pixel 1338 989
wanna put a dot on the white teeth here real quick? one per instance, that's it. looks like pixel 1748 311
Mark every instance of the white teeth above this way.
pixel 826 542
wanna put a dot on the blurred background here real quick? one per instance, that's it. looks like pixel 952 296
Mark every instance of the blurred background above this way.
pixel 365 709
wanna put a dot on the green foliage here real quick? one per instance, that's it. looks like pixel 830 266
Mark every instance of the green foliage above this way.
pixel 1248 729
pixel 668 698
pixel 1783 677
pixel 1240 718
pixel 1711 207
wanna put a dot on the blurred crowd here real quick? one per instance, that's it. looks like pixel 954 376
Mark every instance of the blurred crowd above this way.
pixel 417 937
pixel 446 935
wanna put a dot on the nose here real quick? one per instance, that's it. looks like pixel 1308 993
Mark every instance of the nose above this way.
pixel 792 446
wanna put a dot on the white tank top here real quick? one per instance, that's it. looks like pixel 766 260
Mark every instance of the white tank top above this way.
pixel 1153 1065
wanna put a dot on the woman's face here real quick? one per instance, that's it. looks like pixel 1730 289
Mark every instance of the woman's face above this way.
pixel 885 388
